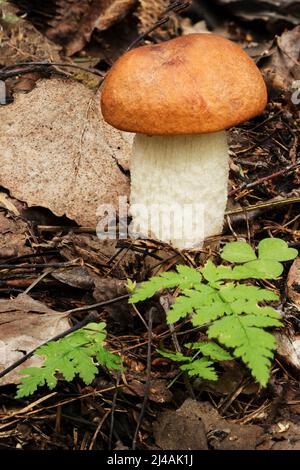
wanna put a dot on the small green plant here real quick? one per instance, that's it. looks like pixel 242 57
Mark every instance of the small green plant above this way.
pixel 231 311
pixel 79 353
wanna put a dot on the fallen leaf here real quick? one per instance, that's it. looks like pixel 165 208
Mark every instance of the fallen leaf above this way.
pixel 114 11
pixel 71 23
pixel 174 431
pixel 108 288
pixel 293 283
pixel 281 64
pixel 14 235
pixel 286 445
pixel 75 30
pixel 222 434
pixel 24 325
pixel 67 158
pixel 158 392
pixel 99 252
pixel 88 247
pixel 75 277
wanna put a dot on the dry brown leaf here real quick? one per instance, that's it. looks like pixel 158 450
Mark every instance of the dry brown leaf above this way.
pixel 88 247
pixel 7 203
pixel 71 23
pixel 109 288
pixel 57 152
pixel 281 65
pixel 14 234
pixel 174 430
pixel 158 392
pixel 293 283
pixel 76 22
pixel 24 325
pixel 222 434
pixel 75 277
pixel 114 11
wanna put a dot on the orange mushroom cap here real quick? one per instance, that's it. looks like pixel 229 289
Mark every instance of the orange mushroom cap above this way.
pixel 198 83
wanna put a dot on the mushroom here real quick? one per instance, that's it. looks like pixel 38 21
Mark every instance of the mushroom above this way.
pixel 179 97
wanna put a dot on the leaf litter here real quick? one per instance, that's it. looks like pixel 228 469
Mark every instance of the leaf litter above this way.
pixel 247 417
pixel 67 165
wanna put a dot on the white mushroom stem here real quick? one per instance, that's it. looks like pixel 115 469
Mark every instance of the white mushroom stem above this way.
pixel 179 187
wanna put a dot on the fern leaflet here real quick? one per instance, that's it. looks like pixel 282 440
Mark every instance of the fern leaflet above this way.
pixel 74 354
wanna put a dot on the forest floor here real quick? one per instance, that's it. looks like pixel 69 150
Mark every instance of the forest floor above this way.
pixel 63 265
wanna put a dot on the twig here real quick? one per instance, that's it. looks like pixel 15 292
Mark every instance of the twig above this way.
pixel 264 205
pixel 148 381
pixel 98 305
pixel 22 68
pixel 98 429
pixel 33 255
pixel 38 265
pixel 270 118
pixel 38 280
pixel 112 410
pixel 265 178
pixel 61 228
pixel 250 208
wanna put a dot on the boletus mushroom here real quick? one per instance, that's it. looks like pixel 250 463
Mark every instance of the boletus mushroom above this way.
pixel 179 97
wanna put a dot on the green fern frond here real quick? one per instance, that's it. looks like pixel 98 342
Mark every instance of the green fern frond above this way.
pixel 79 353
pixel 202 368
pixel 185 278
pixel 244 334
pixel 211 350
pixel 177 357
pixel 189 300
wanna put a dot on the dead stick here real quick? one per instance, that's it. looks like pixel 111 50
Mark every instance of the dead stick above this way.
pixel 148 381
pixel 38 265
pixel 264 205
pixel 265 178
pixel 22 68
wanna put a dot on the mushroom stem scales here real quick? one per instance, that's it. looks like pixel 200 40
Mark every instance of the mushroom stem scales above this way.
pixel 179 187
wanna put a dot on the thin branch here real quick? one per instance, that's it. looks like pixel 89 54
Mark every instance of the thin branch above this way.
pixel 112 411
pixel 264 205
pixel 22 68
pixel 148 381
pixel 294 166
pixel 10 267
